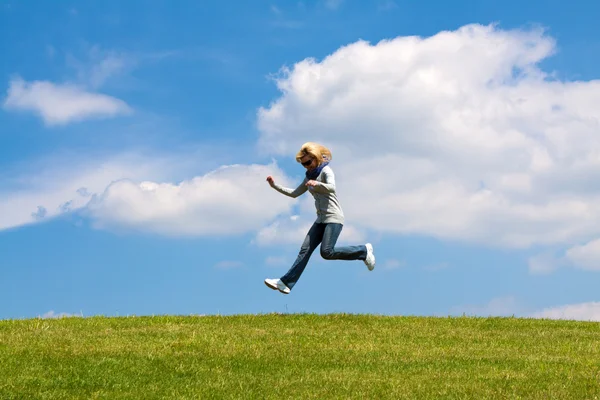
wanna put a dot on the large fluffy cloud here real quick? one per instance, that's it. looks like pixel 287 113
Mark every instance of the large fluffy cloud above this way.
pixel 141 192
pixel 66 182
pixel 59 104
pixel 460 135
pixel 230 200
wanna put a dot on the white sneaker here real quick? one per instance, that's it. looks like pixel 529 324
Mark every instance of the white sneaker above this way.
pixel 370 261
pixel 277 284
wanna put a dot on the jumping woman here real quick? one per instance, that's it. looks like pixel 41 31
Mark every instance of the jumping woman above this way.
pixel 320 182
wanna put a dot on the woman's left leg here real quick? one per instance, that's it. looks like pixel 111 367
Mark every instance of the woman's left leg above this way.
pixel 330 252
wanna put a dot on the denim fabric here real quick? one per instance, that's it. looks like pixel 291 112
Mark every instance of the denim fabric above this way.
pixel 327 235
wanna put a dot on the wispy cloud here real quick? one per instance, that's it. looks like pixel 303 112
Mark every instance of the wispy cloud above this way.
pixel 96 66
pixel 543 264
pixel 60 104
pixel 509 306
pixel 105 69
pixel 281 21
pixel 55 315
pixel 581 312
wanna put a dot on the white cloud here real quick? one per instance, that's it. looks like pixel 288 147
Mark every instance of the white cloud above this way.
pixel 66 182
pixel 459 135
pixel 96 66
pixel 581 256
pixel 230 200
pixel 543 263
pixel 585 256
pixel 54 315
pixel 123 192
pixel 59 104
pixel 106 68
pixel 77 99
pixel 582 312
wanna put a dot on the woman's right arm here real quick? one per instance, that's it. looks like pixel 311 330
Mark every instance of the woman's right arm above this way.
pixel 287 191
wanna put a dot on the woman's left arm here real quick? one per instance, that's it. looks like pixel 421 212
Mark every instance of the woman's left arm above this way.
pixel 328 186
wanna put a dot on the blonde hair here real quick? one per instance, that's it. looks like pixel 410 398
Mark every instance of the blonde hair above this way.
pixel 316 151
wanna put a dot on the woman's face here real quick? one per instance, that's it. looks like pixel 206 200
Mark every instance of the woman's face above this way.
pixel 308 162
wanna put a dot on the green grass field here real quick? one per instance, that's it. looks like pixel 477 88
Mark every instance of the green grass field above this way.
pixel 302 356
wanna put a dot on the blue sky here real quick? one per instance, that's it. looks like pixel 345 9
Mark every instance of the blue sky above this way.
pixel 135 139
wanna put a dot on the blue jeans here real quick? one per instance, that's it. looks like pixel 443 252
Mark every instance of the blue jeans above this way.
pixel 327 235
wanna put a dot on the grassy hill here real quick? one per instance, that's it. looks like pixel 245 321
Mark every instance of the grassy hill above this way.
pixel 302 356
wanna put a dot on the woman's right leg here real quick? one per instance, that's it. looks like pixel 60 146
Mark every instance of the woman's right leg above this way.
pixel 311 241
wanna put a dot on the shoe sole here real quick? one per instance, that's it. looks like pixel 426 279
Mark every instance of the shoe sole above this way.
pixel 275 288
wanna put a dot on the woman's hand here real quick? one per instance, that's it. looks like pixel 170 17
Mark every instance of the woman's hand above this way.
pixel 312 183
pixel 270 180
